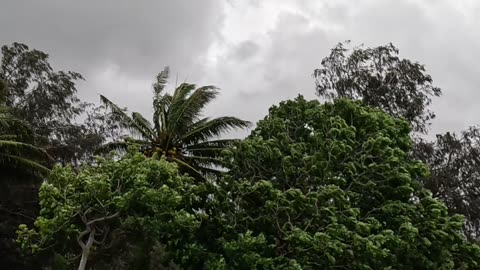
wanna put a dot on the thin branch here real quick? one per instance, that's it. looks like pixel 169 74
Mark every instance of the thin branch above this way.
pixel 102 219
pixel 81 235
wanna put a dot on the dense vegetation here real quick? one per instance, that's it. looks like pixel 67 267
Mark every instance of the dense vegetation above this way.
pixel 345 184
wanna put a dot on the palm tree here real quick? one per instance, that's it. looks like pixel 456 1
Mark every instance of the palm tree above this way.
pixel 22 167
pixel 17 154
pixel 178 131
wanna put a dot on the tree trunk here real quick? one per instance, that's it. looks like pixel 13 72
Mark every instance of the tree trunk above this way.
pixel 86 250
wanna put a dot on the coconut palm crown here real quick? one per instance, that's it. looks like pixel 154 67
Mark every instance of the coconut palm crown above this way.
pixel 178 132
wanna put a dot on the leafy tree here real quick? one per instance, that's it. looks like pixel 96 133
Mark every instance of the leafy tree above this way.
pixel 46 99
pixel 178 132
pixel 332 186
pixel 16 151
pixel 380 78
pixel 17 154
pixel 113 215
pixel 454 161
pixel 44 107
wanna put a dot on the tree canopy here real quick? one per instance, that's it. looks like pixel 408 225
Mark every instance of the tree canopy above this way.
pixel 332 186
pixel 454 162
pixel 113 215
pixel 47 100
pixel 381 79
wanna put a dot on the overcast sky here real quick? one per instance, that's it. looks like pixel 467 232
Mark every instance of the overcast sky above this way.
pixel 258 52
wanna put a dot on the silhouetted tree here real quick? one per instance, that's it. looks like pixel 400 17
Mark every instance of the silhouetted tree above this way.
pixel 380 78
pixel 454 161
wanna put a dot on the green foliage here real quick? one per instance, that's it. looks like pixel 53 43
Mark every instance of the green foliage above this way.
pixel 178 132
pixel 17 154
pixel 313 187
pixel 132 205
pixel 331 186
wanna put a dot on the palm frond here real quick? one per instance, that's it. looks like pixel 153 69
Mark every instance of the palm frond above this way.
pixel 178 99
pixel 120 146
pixel 112 146
pixel 8 137
pixel 204 161
pixel 22 163
pixel 11 124
pixel 124 120
pixel 206 152
pixel 225 143
pixel 210 148
pixel 160 113
pixel 181 93
pixel 189 109
pixel 22 149
pixel 160 101
pixel 209 171
pixel 143 123
pixel 161 81
pixel 189 168
pixel 212 128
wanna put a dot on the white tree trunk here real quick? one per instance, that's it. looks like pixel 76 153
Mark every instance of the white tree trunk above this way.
pixel 86 250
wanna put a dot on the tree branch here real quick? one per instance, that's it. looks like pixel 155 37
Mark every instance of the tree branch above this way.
pixel 102 219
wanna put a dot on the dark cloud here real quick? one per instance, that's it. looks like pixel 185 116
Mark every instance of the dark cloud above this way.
pixel 138 37
pixel 281 69
pixel 118 45
pixel 245 50
pixel 435 34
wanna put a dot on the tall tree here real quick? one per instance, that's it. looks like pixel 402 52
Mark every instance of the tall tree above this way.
pixel 380 78
pixel 178 130
pixel 45 109
pixel 47 100
pixel 454 161
pixel 16 137
pixel 332 186
pixel 115 214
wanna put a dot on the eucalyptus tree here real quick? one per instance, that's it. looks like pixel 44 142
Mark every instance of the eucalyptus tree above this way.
pixel 380 78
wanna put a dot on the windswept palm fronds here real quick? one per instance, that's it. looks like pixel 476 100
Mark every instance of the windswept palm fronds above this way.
pixel 178 132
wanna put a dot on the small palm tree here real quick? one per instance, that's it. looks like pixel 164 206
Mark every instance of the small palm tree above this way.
pixel 178 132
pixel 17 154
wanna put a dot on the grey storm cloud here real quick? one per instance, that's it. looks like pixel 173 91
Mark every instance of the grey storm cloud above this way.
pixel 137 36
pixel 257 52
